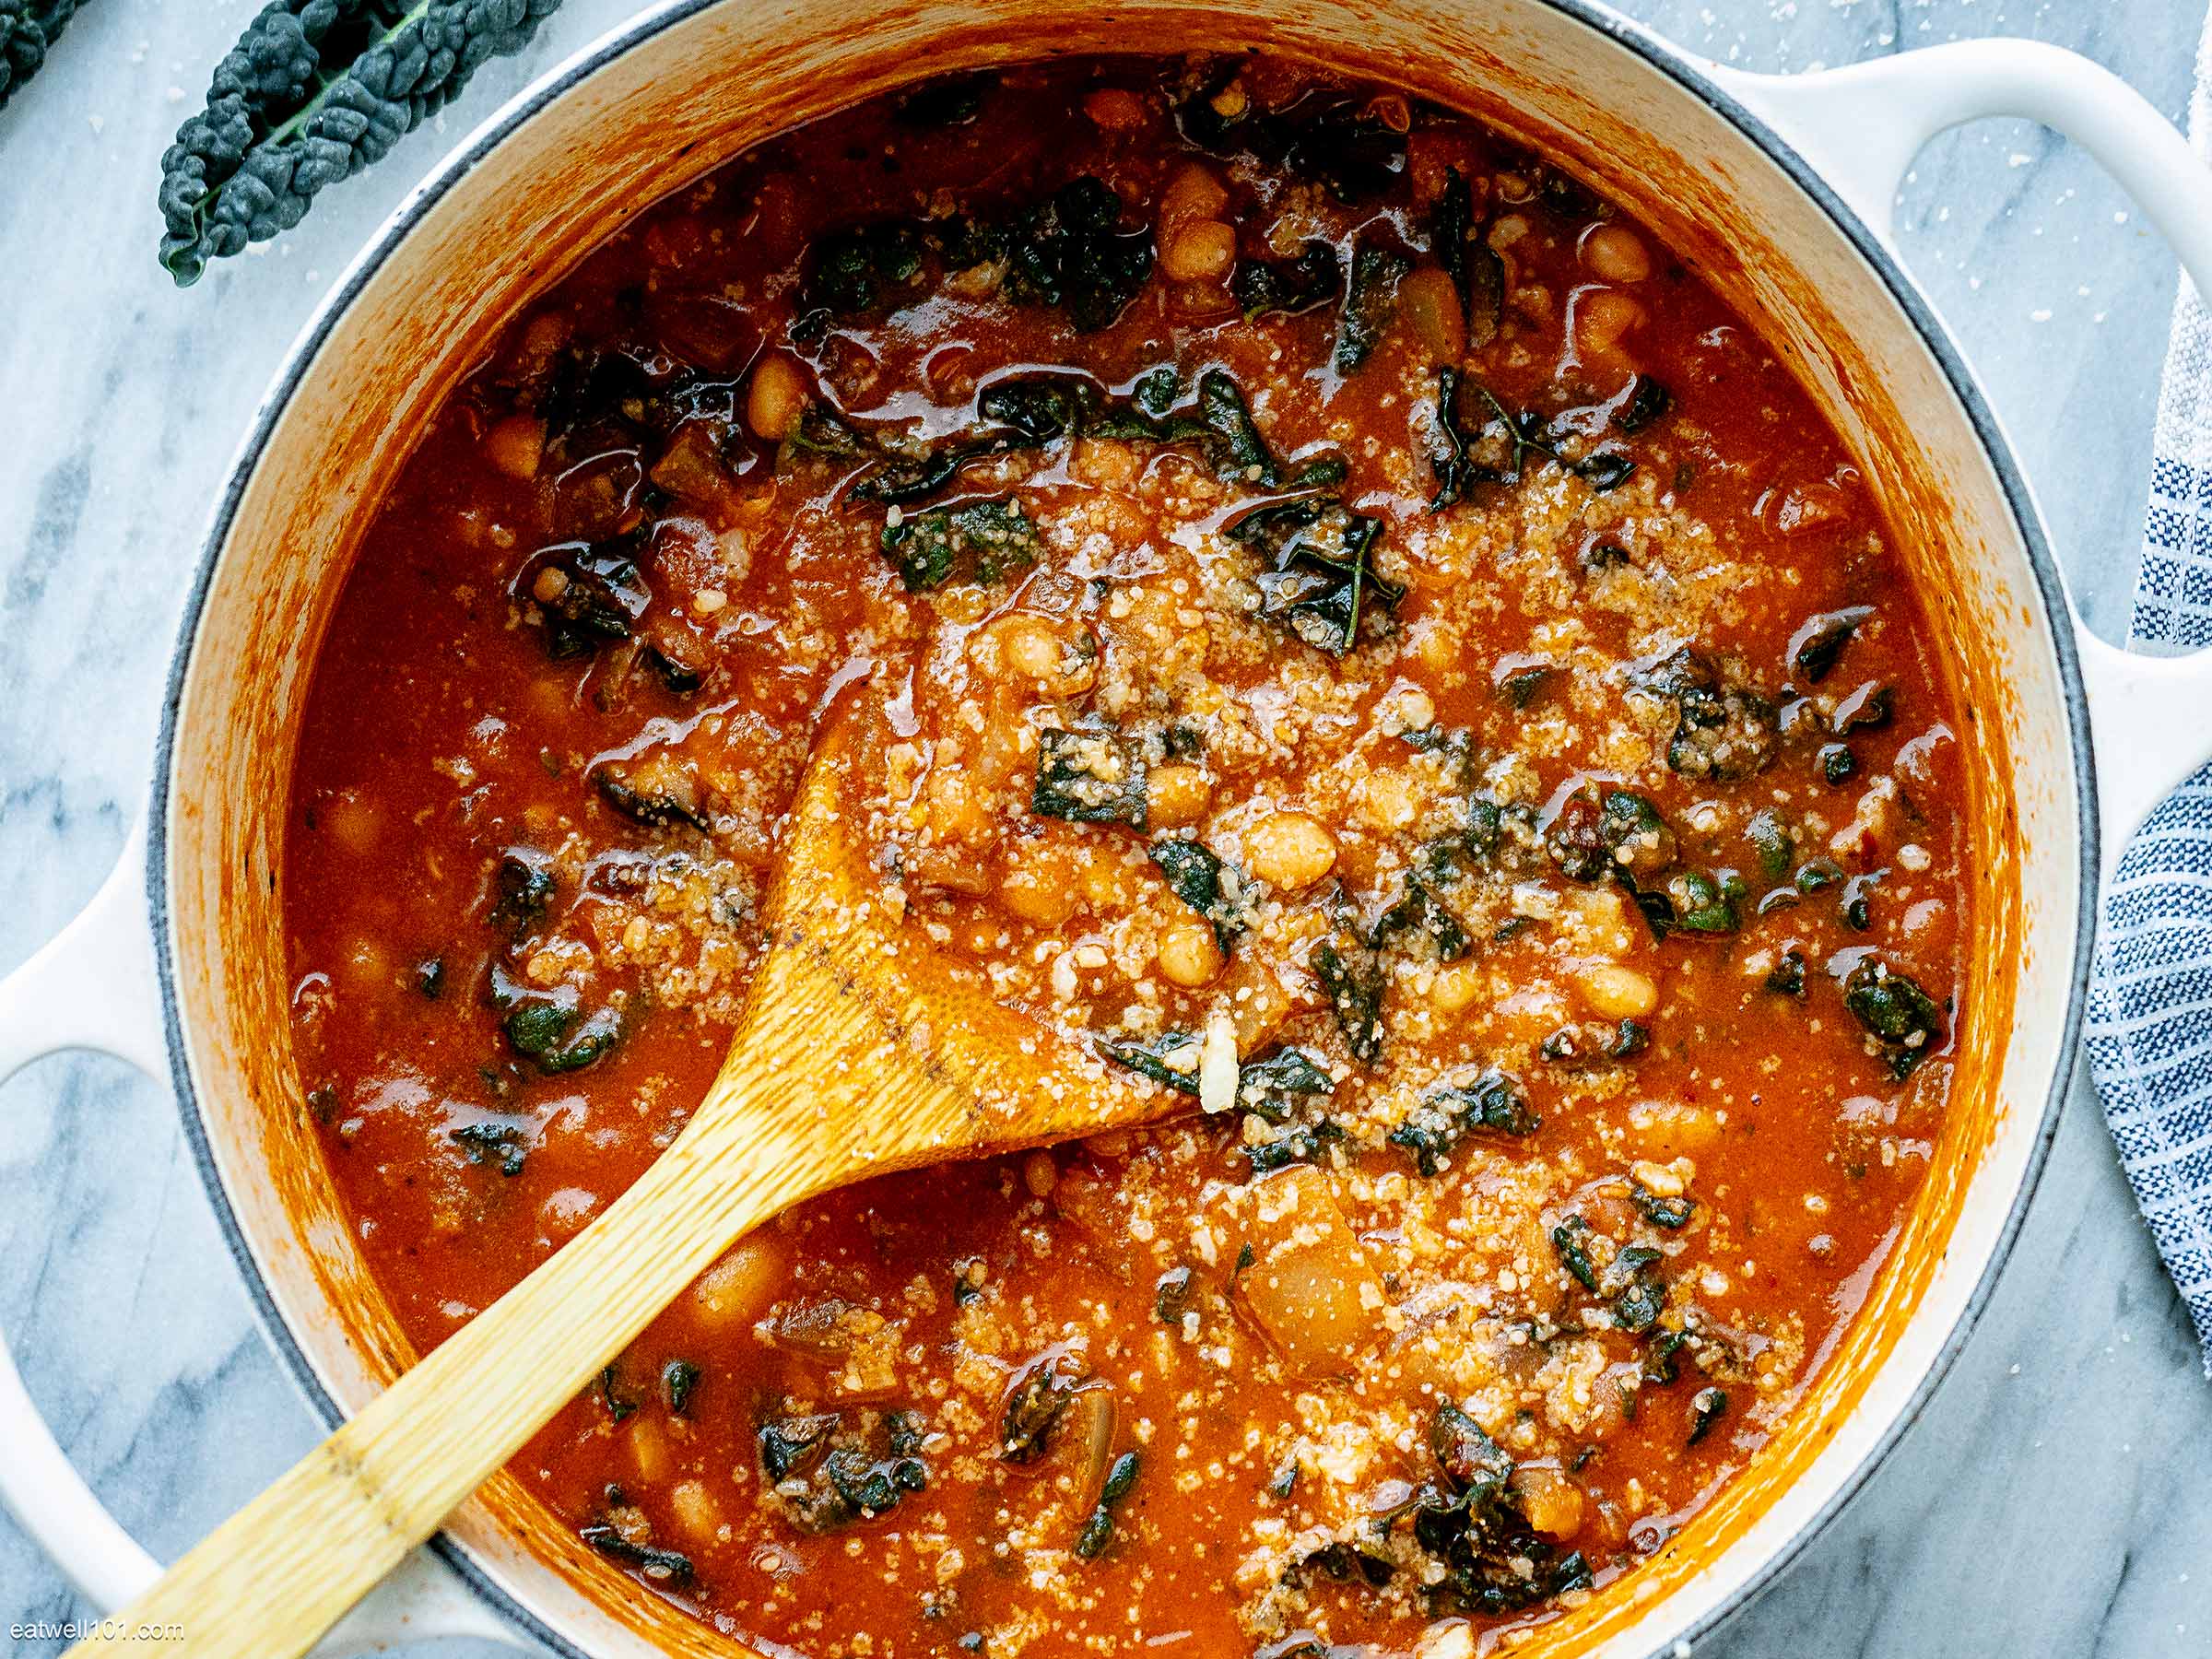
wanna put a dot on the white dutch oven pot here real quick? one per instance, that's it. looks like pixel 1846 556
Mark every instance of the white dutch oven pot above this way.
pixel 1780 189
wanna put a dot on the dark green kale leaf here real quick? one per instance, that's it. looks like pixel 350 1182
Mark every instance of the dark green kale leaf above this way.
pixel 507 1145
pixel 1707 904
pixel 1305 1143
pixel 601 594
pixel 550 1027
pixel 1353 980
pixel 1033 1407
pixel 1287 286
pixel 1419 915
pixel 1725 731
pixel 1820 639
pixel 1496 450
pixel 680 1380
pixel 1150 1057
pixel 1707 1406
pixel 1320 569
pixel 1494 1561
pixel 523 889
pixel 669 1567
pixel 1904 1021
pixel 978 543
pixel 1121 1480
pixel 853 271
pixel 1171 1294
pixel 1089 776
pixel 1571 1239
pixel 1448 1114
pixel 314 92
pixel 1619 833
pixel 1661 1211
pixel 1770 839
pixel 1475 271
pixel 1266 1086
pixel 1786 978
pixel 827 1472
pixel 27 30
pixel 1070 252
pixel 1194 874
pixel 1643 403
pixel 1369 303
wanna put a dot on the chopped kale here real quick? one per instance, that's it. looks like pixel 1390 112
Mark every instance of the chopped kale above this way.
pixel 1193 873
pixel 1619 833
pixel 618 1407
pixel 1494 1561
pixel 1121 1480
pixel 978 543
pixel 661 1566
pixel 680 1380
pixel 948 100
pixel 852 272
pixel 1352 979
pixel 1707 904
pixel 1448 1114
pixel 598 594
pixel 1868 709
pixel 1661 1211
pixel 1519 685
pixel 1265 1085
pixel 1856 905
pixel 1171 1294
pixel 1815 875
pixel 1369 303
pixel 1770 839
pixel 1647 400
pixel 788 1444
pixel 508 1144
pixel 1320 569
pixel 1819 640
pixel 1419 915
pixel 1706 1407
pixel 1033 1407
pixel 1304 1144
pixel 1475 271
pixel 1089 776
pixel 1152 1058
pixel 1903 1020
pixel 1786 978
pixel 1724 732
pixel 1836 764
pixel 27 30
pixel 657 792
pixel 1287 286
pixel 1070 252
pixel 549 1026
pixel 1594 1042
pixel 1571 1239
pixel 523 889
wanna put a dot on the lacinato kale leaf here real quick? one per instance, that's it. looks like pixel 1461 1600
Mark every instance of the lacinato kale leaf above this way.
pixel 978 543
pixel 1320 569
pixel 1287 286
pixel 1448 1114
pixel 1369 303
pixel 550 1027
pixel 1089 776
pixel 314 92
pixel 1070 252
pixel 1194 876
pixel 27 30
pixel 1903 1020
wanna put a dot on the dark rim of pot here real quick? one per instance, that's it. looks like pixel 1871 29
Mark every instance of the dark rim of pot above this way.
pixel 1623 32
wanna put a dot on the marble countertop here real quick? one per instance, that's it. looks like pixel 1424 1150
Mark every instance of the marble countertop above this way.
pixel 2056 1496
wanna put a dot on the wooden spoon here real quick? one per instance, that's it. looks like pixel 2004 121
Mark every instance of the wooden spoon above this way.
pixel 861 1050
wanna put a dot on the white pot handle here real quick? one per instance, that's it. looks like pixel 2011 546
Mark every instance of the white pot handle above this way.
pixel 94 986
pixel 1860 127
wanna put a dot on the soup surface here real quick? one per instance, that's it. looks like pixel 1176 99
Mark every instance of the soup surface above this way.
pixel 1379 650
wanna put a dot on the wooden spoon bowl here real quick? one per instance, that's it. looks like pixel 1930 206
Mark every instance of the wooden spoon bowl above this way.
pixel 861 1050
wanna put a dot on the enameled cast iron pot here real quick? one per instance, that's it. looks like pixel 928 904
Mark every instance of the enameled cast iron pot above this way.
pixel 1779 189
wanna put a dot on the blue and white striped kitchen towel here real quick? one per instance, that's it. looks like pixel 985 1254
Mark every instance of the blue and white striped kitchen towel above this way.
pixel 2149 1030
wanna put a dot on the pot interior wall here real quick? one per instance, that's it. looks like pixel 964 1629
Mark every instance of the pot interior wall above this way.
pixel 706 82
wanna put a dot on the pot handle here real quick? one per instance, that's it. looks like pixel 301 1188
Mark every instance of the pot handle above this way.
pixel 1860 127
pixel 94 986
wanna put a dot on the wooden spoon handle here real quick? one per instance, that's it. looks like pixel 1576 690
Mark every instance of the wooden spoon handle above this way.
pixel 269 1581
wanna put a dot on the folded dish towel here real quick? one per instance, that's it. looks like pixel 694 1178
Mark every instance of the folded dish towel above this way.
pixel 2149 1031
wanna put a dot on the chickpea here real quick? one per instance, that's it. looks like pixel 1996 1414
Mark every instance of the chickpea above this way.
pixel 1195 244
pixel 1615 253
pixel 1290 851
pixel 1615 992
pixel 1202 251
pixel 1454 988
pixel 1114 110
pixel 549 585
pixel 649 1450
pixel 1177 794
pixel 776 399
pixel 1189 954
pixel 695 1509
pixel 1040 885
pixel 737 1289
pixel 1039 1173
pixel 515 446
pixel 1055 655
pixel 1602 316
